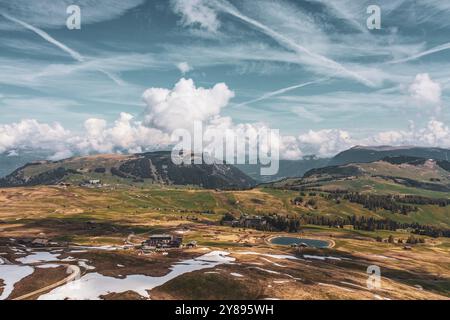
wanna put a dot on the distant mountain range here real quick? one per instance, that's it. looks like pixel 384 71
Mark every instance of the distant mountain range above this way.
pixel 361 154
pixel 154 168
pixel 358 154
pixel 288 168
pixel 157 167
pixel 394 174
pixel 10 161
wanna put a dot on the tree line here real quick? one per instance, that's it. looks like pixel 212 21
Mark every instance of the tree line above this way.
pixel 294 223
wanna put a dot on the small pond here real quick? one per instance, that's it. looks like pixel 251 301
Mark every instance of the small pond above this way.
pixel 286 241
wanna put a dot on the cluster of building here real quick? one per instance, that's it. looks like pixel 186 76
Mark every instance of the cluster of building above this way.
pixel 166 241
pixel 247 221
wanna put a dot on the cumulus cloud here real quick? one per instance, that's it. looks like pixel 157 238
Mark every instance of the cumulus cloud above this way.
pixel 126 135
pixel 179 107
pixel 196 13
pixel 184 67
pixel 434 133
pixel 32 134
pixel 425 90
pixel 325 142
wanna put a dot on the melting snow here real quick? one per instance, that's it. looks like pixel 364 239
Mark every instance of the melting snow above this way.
pixel 275 256
pixel 48 266
pixel 376 296
pixel 274 263
pixel 307 256
pixel 266 270
pixel 11 274
pixel 280 281
pixel 83 264
pixel 234 274
pixel 37 257
pixel 94 285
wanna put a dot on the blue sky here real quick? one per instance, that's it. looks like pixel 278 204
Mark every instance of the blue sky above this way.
pixel 309 68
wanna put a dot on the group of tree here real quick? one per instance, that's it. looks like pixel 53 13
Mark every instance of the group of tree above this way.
pixel 419 200
pixel 376 202
pixel 294 223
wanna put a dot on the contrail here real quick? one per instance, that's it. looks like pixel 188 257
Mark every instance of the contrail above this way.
pixel 442 47
pixel 75 55
pixel 342 13
pixel 281 91
pixel 288 43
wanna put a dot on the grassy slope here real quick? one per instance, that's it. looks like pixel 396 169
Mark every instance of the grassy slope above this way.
pixel 135 206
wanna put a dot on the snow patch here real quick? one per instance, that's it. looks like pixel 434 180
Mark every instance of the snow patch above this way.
pixel 40 256
pixel 94 285
pixel 238 275
pixel 12 274
pixel 323 258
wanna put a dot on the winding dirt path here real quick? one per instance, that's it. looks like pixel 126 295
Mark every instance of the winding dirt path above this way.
pixel 75 273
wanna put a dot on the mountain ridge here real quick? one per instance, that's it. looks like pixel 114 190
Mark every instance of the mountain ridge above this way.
pixel 152 167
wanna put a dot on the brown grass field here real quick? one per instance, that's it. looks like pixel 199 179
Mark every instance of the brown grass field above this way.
pixel 99 217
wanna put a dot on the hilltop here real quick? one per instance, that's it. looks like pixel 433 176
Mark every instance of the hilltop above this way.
pixel 150 168
pixel 391 174
pixel 360 154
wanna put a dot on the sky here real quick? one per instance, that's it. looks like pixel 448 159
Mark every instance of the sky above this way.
pixel 139 69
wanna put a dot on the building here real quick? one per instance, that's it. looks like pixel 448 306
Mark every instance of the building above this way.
pixel 252 222
pixel 40 242
pixel 161 241
pixel 191 244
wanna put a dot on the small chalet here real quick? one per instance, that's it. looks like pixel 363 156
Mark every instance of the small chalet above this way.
pixel 161 241
pixel 252 222
pixel 40 242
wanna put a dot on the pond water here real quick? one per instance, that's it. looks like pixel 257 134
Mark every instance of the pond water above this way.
pixel 286 241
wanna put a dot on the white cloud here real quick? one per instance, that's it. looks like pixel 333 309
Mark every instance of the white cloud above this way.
pixel 305 54
pixel 196 13
pixel 184 67
pixel 445 46
pixel 52 14
pixel 290 148
pixel 125 135
pixel 304 113
pixel 325 142
pixel 129 136
pixel 74 54
pixel 425 90
pixel 31 133
pixel 434 134
pixel 179 107
pixel 281 91
pixel 171 109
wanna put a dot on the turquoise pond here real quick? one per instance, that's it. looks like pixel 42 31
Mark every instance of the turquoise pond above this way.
pixel 286 241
